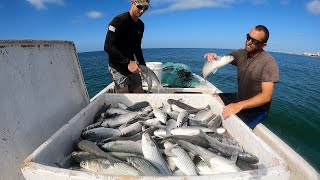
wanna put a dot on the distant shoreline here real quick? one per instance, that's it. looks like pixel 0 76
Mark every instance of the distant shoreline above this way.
pixel 312 54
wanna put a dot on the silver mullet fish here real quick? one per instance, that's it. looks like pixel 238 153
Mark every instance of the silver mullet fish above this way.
pixel 214 65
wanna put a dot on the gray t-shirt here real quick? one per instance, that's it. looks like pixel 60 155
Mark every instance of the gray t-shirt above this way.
pixel 253 71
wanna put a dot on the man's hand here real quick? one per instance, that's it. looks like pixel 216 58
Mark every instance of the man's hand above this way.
pixel 133 67
pixel 210 56
pixel 231 109
pixel 264 97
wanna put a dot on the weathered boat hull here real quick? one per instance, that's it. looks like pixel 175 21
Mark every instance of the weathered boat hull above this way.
pixel 41 89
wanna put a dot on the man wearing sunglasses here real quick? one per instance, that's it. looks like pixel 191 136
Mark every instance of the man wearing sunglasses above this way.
pixel 257 74
pixel 123 43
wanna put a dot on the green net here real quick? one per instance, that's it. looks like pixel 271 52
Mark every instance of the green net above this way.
pixel 178 75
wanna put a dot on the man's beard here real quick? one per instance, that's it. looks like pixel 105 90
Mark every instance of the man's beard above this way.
pixel 251 50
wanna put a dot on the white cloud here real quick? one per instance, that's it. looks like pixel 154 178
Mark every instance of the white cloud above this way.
pixel 176 5
pixel 314 7
pixel 94 14
pixel 285 2
pixel 41 4
pixel 259 2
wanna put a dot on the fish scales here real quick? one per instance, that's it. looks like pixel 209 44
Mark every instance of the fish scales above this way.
pixel 92 148
pixel 172 166
pixel 135 137
pixel 215 122
pixel 131 129
pixel 196 139
pixel 152 153
pixel 219 163
pixel 181 159
pixel 189 131
pixel 225 149
pixel 123 155
pixel 213 160
pixel 100 133
pixel 103 109
pixel 161 133
pixel 182 105
pixel 113 111
pixel 214 65
pixel 152 122
pixel 173 114
pixel 103 166
pixel 177 108
pixel 145 112
pixel 193 149
pixel 161 115
pixel 225 139
pixel 123 146
pixel 149 82
pixel 147 72
pixel 203 116
pixel 138 106
pixel 171 124
pixel 92 126
pixel 167 108
pixel 182 118
pixel 119 120
pixel 143 165
pixel 79 156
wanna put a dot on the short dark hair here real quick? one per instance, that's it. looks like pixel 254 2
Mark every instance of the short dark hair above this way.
pixel 265 30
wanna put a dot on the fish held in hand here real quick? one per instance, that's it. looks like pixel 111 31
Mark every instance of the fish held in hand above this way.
pixel 148 74
pixel 214 65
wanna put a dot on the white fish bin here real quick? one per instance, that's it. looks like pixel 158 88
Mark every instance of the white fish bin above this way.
pixel 41 164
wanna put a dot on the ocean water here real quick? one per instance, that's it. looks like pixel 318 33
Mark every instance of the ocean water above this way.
pixel 295 111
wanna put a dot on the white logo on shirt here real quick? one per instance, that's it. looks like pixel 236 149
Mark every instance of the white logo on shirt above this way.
pixel 112 28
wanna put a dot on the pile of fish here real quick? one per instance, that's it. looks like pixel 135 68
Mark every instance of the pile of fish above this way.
pixel 171 140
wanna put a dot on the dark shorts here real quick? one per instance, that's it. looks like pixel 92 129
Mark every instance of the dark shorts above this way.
pixel 251 117
pixel 132 80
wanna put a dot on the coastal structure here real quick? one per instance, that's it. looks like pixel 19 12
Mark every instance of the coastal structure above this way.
pixel 312 54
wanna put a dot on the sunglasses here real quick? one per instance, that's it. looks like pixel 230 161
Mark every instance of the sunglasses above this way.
pixel 141 7
pixel 253 40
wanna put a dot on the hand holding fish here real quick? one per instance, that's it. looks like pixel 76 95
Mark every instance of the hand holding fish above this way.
pixel 231 109
pixel 210 56
pixel 211 66
pixel 133 67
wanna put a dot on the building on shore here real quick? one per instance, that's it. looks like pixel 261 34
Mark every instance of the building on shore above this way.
pixel 311 54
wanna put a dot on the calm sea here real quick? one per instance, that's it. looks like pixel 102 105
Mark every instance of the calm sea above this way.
pixel 295 112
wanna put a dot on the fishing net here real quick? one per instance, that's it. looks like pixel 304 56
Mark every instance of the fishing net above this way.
pixel 178 75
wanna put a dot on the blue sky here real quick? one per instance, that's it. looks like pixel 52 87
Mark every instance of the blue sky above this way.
pixel 294 25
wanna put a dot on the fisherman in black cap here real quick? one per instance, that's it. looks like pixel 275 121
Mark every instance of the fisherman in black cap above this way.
pixel 122 43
